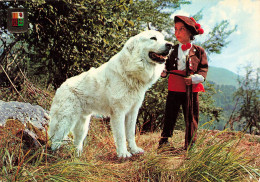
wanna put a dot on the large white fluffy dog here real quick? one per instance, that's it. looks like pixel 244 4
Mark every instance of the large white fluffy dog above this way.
pixel 114 89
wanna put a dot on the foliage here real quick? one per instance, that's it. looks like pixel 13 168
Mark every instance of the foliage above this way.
pixel 224 99
pixel 155 99
pixel 68 38
pixel 224 96
pixel 217 38
pixel 247 96
pixel 207 103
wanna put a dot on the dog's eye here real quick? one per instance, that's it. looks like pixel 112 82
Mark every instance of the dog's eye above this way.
pixel 153 38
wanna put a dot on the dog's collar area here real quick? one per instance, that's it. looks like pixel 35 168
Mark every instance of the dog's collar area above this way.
pixel 160 58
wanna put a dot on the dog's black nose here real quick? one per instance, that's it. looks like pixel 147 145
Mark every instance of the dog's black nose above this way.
pixel 169 46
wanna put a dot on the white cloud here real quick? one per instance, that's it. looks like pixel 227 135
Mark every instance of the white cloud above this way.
pixel 243 13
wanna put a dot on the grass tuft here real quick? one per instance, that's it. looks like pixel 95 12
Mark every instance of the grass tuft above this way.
pixel 216 159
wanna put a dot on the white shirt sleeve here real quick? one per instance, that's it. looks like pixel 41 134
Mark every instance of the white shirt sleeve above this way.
pixel 196 78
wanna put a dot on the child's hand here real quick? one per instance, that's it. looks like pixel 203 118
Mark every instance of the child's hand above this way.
pixel 188 80
pixel 164 74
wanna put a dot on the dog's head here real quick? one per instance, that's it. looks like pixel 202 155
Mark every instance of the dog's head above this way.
pixel 149 45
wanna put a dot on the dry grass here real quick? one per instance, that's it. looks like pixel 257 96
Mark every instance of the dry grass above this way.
pixel 217 156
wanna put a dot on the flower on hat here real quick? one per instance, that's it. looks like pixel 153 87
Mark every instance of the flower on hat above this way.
pixel 198 26
pixel 201 31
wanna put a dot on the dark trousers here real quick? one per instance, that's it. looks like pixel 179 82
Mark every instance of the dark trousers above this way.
pixel 173 103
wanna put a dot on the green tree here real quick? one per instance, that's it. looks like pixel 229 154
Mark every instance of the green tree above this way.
pixel 217 38
pixel 66 38
pixel 247 112
pixel 70 37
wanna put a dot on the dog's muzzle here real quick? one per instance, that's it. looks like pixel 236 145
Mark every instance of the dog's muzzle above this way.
pixel 161 57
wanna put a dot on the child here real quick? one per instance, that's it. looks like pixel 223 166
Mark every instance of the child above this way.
pixel 185 30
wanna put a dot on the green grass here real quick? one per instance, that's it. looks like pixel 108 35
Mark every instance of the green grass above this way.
pixel 215 157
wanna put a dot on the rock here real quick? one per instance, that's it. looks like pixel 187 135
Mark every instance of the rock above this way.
pixel 24 112
pixel 25 121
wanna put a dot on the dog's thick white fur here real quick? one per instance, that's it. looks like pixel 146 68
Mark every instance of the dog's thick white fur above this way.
pixel 116 89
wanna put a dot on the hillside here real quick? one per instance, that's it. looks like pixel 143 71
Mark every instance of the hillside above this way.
pixel 222 76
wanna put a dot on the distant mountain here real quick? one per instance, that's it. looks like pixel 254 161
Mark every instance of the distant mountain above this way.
pixel 222 76
pixel 225 84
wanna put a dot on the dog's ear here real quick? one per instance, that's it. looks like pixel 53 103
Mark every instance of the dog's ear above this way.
pixel 149 25
pixel 130 45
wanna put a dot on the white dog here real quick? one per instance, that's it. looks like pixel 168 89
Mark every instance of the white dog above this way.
pixel 116 89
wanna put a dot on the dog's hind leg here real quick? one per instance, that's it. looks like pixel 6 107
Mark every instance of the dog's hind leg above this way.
pixel 80 132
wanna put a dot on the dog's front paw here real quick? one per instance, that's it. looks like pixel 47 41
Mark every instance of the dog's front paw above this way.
pixel 55 146
pixel 137 150
pixel 125 154
pixel 79 150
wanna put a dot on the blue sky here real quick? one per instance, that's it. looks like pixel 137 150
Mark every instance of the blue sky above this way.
pixel 244 47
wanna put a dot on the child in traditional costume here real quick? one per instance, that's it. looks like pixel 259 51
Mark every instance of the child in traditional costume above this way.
pixel 185 58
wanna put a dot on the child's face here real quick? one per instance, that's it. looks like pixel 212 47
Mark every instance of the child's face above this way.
pixel 182 34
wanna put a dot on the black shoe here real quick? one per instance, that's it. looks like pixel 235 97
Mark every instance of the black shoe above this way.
pixel 163 142
pixel 165 145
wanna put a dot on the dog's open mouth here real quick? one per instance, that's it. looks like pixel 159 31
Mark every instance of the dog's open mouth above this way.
pixel 160 58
